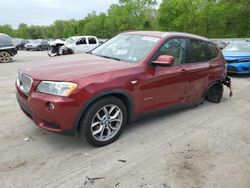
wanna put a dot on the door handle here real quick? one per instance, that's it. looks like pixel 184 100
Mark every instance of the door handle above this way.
pixel 183 70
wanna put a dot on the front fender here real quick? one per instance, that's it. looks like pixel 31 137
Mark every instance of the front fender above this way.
pixel 124 93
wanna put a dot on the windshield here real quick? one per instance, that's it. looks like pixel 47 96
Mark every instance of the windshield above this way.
pixel 70 40
pixel 237 47
pixel 125 47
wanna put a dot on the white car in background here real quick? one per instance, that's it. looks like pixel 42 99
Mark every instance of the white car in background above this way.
pixel 81 44
pixel 73 45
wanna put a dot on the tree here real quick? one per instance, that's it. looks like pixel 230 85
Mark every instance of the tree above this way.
pixel 6 29
pixel 131 15
pixel 23 31
pixel 210 18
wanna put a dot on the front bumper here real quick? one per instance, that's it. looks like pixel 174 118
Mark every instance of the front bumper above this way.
pixel 60 120
pixel 239 68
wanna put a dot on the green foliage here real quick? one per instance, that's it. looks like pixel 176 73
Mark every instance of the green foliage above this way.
pixel 210 18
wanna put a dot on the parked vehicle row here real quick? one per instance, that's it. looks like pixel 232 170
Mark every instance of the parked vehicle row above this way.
pixel 134 73
pixel 37 45
pixel 20 43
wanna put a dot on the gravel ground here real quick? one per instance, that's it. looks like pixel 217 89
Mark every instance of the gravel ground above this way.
pixel 205 146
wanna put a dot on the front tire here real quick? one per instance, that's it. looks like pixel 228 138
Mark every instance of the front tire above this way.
pixel 103 122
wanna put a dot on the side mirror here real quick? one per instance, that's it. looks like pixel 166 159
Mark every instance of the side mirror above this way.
pixel 164 60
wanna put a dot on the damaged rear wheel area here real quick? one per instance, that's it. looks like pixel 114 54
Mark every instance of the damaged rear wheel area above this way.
pixel 215 93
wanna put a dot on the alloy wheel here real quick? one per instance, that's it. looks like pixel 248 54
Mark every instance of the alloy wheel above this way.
pixel 107 122
pixel 5 57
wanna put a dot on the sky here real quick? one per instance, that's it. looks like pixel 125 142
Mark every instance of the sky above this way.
pixel 45 12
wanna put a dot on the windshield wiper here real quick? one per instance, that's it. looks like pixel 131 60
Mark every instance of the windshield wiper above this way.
pixel 114 58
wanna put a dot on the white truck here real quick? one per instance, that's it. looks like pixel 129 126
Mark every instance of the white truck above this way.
pixel 73 45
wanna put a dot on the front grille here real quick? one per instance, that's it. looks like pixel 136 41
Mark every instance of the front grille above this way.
pixel 24 82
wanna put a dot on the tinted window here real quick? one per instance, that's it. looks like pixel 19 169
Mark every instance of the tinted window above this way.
pixel 211 51
pixel 175 47
pixel 92 41
pixel 197 51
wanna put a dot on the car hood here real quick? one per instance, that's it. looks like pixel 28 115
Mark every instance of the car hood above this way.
pixel 236 56
pixel 66 68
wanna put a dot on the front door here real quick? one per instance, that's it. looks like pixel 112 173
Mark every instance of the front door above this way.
pixel 81 45
pixel 166 86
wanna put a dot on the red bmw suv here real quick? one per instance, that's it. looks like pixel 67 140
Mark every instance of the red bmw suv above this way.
pixel 96 94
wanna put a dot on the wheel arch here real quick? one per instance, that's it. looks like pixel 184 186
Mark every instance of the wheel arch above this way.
pixel 212 84
pixel 124 96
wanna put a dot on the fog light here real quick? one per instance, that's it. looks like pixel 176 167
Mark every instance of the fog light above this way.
pixel 51 106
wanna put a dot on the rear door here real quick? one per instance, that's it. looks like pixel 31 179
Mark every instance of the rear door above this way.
pixel 197 68
pixel 166 86
pixel 92 43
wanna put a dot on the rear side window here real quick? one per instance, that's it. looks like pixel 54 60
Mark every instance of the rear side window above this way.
pixel 197 51
pixel 92 40
pixel 212 51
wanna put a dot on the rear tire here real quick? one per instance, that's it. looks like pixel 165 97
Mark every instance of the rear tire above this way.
pixel 5 57
pixel 103 122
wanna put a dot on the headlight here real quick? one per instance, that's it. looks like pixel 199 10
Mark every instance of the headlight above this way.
pixel 56 88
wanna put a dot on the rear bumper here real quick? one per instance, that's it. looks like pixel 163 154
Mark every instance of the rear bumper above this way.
pixel 12 50
pixel 60 120
pixel 228 82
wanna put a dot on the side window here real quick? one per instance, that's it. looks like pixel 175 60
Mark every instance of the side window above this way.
pixel 212 51
pixel 175 47
pixel 197 51
pixel 92 40
pixel 81 41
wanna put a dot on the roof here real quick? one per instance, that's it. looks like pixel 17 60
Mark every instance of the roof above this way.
pixel 161 34
pixel 77 37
